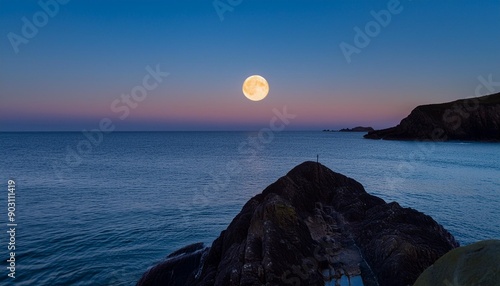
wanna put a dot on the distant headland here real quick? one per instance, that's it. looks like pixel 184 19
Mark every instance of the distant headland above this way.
pixel 355 129
pixel 471 119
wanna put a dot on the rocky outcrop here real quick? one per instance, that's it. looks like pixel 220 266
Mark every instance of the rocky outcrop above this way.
pixel 472 119
pixel 357 129
pixel 475 264
pixel 311 226
pixel 179 267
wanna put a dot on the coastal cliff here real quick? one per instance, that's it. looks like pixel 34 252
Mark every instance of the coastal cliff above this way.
pixel 310 227
pixel 472 119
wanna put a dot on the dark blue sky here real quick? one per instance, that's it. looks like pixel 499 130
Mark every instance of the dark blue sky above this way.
pixel 89 53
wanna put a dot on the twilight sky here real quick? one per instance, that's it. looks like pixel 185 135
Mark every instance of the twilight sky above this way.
pixel 70 69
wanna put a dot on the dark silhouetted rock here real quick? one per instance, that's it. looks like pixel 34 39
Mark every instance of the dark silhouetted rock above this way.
pixel 187 249
pixel 181 267
pixel 310 226
pixel 475 264
pixel 357 129
pixel 472 119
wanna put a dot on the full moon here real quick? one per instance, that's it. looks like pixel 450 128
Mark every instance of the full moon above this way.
pixel 255 88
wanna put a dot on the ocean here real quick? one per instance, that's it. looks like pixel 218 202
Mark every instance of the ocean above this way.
pixel 100 209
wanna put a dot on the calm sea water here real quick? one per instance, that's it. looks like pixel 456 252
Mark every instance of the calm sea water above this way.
pixel 124 205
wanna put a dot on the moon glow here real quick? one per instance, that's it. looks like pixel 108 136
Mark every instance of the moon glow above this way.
pixel 255 88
